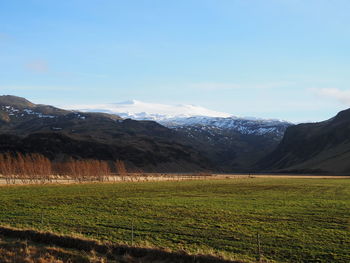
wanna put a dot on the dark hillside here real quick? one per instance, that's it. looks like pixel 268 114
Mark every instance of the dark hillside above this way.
pixel 314 147
pixel 59 134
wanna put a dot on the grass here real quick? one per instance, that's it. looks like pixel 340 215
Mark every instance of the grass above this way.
pixel 101 252
pixel 298 220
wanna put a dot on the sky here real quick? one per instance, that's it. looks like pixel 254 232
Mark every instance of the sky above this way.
pixel 284 59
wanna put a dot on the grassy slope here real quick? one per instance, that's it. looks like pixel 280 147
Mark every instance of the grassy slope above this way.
pixel 299 220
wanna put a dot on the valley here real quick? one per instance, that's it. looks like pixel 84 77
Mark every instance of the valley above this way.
pixel 214 189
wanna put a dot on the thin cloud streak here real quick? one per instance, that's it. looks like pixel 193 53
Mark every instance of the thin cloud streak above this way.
pixel 341 96
pixel 34 88
pixel 233 86
pixel 81 74
pixel 41 66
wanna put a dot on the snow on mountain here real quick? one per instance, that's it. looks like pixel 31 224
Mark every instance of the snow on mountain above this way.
pixel 241 125
pixel 12 111
pixel 149 111
pixel 182 116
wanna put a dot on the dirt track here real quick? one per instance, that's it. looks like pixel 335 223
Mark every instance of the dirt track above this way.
pixel 145 177
pixel 152 177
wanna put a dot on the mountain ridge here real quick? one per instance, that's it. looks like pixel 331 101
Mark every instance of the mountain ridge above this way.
pixel 234 143
pixel 142 144
pixel 321 147
pixel 226 144
pixel 136 109
pixel 174 116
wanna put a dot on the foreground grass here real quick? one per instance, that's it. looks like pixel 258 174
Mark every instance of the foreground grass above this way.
pixel 298 220
pixel 91 250
pixel 16 251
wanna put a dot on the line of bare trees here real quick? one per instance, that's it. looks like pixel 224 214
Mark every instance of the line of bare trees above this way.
pixel 35 168
pixel 27 168
pixel 83 170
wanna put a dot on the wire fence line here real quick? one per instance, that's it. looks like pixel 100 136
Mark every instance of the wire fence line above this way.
pixel 138 236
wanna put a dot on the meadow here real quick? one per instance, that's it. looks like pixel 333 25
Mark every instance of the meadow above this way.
pixel 297 220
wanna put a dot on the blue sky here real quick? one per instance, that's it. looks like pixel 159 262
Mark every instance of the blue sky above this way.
pixel 286 59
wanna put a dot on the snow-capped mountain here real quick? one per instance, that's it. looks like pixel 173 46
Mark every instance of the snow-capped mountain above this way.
pixel 183 116
pixel 234 143
pixel 139 110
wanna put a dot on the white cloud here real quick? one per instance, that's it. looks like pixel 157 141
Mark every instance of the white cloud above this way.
pixel 342 96
pixel 143 110
pixel 38 66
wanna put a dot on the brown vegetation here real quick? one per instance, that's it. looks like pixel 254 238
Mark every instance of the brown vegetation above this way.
pixel 83 170
pixel 27 168
pixel 120 168
pixel 35 168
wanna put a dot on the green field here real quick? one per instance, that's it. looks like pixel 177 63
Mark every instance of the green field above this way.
pixel 298 220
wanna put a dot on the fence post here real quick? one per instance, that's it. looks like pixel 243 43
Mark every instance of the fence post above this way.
pixel 132 233
pixel 258 258
pixel 42 218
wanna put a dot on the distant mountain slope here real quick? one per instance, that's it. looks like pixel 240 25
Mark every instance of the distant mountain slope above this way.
pixel 314 147
pixel 232 143
pixel 246 126
pixel 58 134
